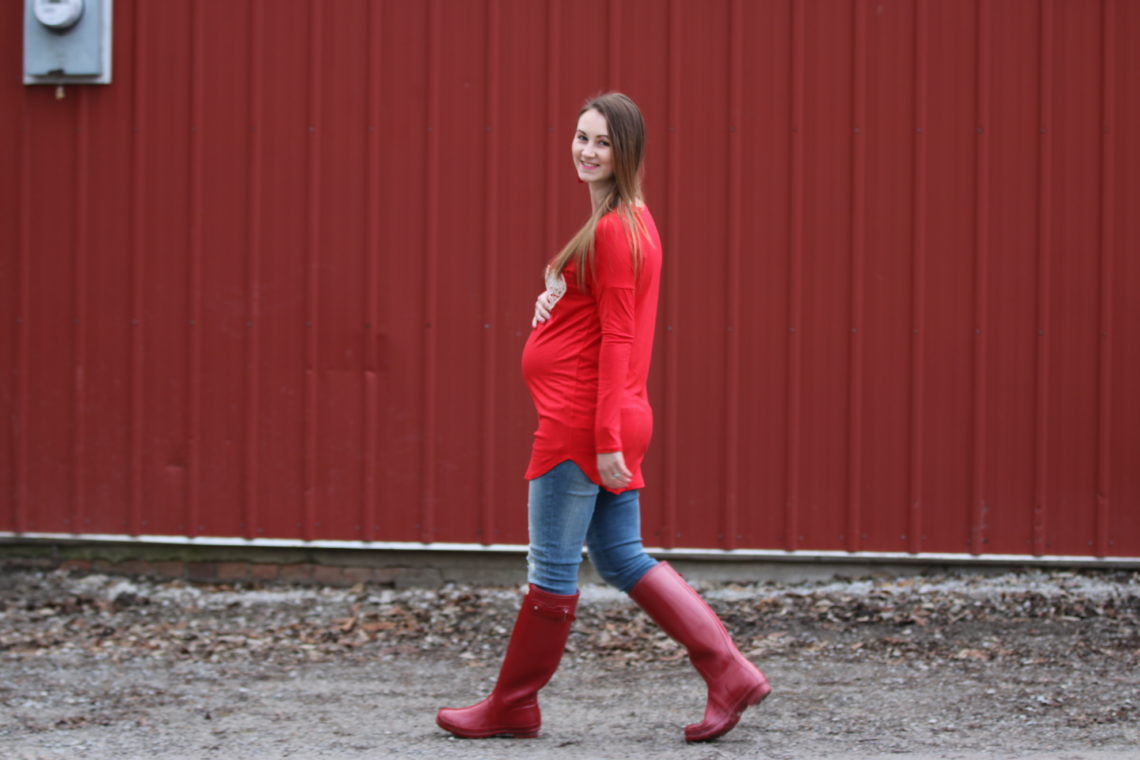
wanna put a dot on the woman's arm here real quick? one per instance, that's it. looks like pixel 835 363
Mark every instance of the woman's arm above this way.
pixel 615 292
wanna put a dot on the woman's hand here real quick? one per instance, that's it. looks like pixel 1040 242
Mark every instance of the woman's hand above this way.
pixel 612 469
pixel 542 307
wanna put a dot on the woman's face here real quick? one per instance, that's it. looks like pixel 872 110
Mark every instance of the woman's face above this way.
pixel 592 149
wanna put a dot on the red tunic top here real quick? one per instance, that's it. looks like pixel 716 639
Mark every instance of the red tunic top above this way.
pixel 587 365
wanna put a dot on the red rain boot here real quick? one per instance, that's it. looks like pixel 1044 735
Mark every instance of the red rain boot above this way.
pixel 532 657
pixel 733 682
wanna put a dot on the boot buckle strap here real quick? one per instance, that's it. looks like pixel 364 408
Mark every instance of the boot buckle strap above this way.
pixel 560 614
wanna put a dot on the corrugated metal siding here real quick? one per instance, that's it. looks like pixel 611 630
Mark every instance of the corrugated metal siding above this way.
pixel 275 280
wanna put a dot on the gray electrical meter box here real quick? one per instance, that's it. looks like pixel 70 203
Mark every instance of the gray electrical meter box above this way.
pixel 67 41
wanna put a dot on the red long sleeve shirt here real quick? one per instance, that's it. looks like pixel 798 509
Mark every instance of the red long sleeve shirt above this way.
pixel 588 364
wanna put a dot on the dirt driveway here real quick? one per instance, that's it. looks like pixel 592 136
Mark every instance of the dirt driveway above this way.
pixel 1017 665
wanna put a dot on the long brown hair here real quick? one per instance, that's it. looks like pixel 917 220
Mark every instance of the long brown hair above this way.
pixel 626 130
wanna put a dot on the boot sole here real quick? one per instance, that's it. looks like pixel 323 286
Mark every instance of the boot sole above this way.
pixel 498 733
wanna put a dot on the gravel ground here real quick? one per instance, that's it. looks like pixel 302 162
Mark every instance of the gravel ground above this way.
pixel 1017 665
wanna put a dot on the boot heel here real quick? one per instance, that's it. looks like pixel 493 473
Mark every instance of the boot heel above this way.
pixel 756 696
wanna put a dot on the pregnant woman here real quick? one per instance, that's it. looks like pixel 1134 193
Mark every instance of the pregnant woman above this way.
pixel 586 364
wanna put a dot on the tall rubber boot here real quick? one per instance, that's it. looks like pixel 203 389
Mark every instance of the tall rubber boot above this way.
pixel 734 683
pixel 533 654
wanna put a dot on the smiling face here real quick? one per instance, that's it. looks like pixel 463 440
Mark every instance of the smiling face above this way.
pixel 592 149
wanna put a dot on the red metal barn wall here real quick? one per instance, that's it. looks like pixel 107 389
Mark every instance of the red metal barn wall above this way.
pixel 274 281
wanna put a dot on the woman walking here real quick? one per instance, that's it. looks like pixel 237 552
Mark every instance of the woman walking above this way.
pixel 586 364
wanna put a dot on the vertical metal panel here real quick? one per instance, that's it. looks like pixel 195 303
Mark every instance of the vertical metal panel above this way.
pixel 702 230
pixel 284 389
pixel 916 528
pixel 1107 253
pixel 81 246
pixel 165 255
pixel 373 251
pixel 553 109
pixel 340 260
pixel 731 504
pixel 792 538
pixel 191 517
pixel 761 329
pixel 700 243
pixel 20 420
pixel 1124 444
pixel 401 291
pixel 110 119
pixel 312 266
pixel 826 260
pixel 490 273
pixel 1044 282
pixel 252 526
pixel 882 281
pixel 1010 303
pixel 536 137
pixel 981 283
pixel 289 303
pixel 136 387
pixel 48 343
pixel 858 233
pixel 1076 278
pixel 952 142
pixel 208 127
pixel 431 267
pixel 461 224
pixel 670 288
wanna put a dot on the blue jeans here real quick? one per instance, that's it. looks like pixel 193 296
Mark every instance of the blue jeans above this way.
pixel 565 509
